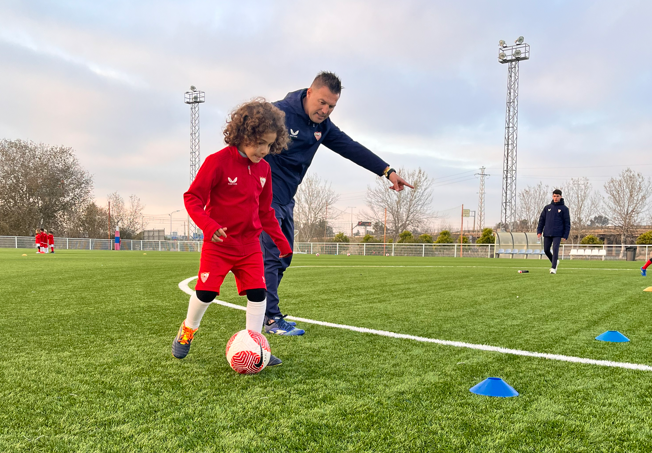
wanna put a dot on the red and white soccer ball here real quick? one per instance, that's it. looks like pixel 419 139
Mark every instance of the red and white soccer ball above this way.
pixel 348 254
pixel 248 352
pixel 316 254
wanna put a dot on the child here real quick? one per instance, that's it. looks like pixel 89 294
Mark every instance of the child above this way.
pixel 230 200
pixel 51 241
pixel 37 240
pixel 645 266
pixel 43 241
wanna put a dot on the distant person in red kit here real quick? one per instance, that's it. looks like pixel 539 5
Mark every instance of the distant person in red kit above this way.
pixel 43 241
pixel 51 241
pixel 230 201
pixel 37 241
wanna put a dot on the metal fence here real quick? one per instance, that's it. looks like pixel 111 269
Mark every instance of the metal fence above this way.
pixel 611 252
pixel 27 242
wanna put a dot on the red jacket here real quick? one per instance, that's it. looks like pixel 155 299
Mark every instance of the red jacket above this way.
pixel 50 239
pixel 43 238
pixel 233 192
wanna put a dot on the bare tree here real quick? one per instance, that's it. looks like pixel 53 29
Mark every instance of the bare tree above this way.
pixel 90 222
pixel 626 201
pixel 406 210
pixel 583 204
pixel 127 218
pixel 311 205
pixel 40 186
pixel 531 201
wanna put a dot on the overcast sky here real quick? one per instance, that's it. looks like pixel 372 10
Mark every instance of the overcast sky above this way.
pixel 423 87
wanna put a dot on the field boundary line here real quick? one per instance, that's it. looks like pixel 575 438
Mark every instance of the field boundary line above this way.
pixel 471 267
pixel 183 286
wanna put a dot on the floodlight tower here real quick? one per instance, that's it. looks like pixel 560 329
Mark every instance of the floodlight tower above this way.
pixel 511 55
pixel 194 97
pixel 482 175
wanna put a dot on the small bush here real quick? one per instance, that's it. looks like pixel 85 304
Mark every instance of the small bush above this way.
pixel 370 239
pixel 590 239
pixel 444 238
pixel 426 238
pixel 645 238
pixel 487 237
pixel 341 237
pixel 405 237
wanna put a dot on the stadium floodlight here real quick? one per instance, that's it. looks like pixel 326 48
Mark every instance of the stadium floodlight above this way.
pixel 512 56
pixel 194 97
pixel 502 43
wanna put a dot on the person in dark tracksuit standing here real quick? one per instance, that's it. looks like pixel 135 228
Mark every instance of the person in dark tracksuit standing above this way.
pixel 554 224
pixel 307 119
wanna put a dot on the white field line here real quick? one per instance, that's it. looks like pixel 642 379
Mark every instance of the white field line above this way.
pixel 458 344
pixel 473 267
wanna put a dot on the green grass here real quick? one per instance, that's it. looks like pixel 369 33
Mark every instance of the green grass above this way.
pixel 86 363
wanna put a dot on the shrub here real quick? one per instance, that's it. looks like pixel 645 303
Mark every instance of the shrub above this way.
pixel 341 237
pixel 645 238
pixel 426 238
pixel 590 239
pixel 405 237
pixel 444 238
pixel 487 237
pixel 369 238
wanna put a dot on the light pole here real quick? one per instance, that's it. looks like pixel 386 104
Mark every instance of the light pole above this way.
pixel 511 55
pixel 351 208
pixel 194 97
pixel 170 214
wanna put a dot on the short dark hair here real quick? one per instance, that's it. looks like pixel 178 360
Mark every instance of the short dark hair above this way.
pixel 328 79
pixel 556 192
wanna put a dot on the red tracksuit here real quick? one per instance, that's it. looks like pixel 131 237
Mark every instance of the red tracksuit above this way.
pixel 51 241
pixel 43 240
pixel 232 192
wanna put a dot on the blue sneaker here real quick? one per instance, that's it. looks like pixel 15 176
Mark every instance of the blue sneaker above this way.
pixel 643 272
pixel 292 323
pixel 280 326
pixel 274 361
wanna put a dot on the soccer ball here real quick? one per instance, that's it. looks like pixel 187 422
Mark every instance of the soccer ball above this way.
pixel 248 352
pixel 316 254
pixel 348 254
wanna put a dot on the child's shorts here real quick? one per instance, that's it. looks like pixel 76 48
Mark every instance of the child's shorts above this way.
pixel 249 271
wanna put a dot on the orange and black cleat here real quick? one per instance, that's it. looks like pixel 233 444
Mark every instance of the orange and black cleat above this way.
pixel 181 344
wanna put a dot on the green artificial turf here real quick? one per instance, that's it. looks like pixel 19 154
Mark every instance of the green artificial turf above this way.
pixel 86 363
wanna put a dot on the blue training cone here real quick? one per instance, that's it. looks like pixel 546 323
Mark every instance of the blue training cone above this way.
pixel 613 336
pixel 494 386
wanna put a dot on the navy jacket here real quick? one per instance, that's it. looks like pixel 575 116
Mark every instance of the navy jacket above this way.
pixel 555 220
pixel 290 166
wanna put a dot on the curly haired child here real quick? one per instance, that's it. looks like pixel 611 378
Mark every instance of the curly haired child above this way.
pixel 230 201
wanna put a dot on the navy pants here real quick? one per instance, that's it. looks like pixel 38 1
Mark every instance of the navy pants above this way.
pixel 548 242
pixel 275 266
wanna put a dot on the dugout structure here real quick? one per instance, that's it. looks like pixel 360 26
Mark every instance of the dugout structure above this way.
pixel 518 245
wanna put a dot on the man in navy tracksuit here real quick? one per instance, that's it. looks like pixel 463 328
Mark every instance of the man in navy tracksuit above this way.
pixel 307 119
pixel 555 225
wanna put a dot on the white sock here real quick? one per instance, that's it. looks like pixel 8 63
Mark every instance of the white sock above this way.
pixel 196 309
pixel 256 315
